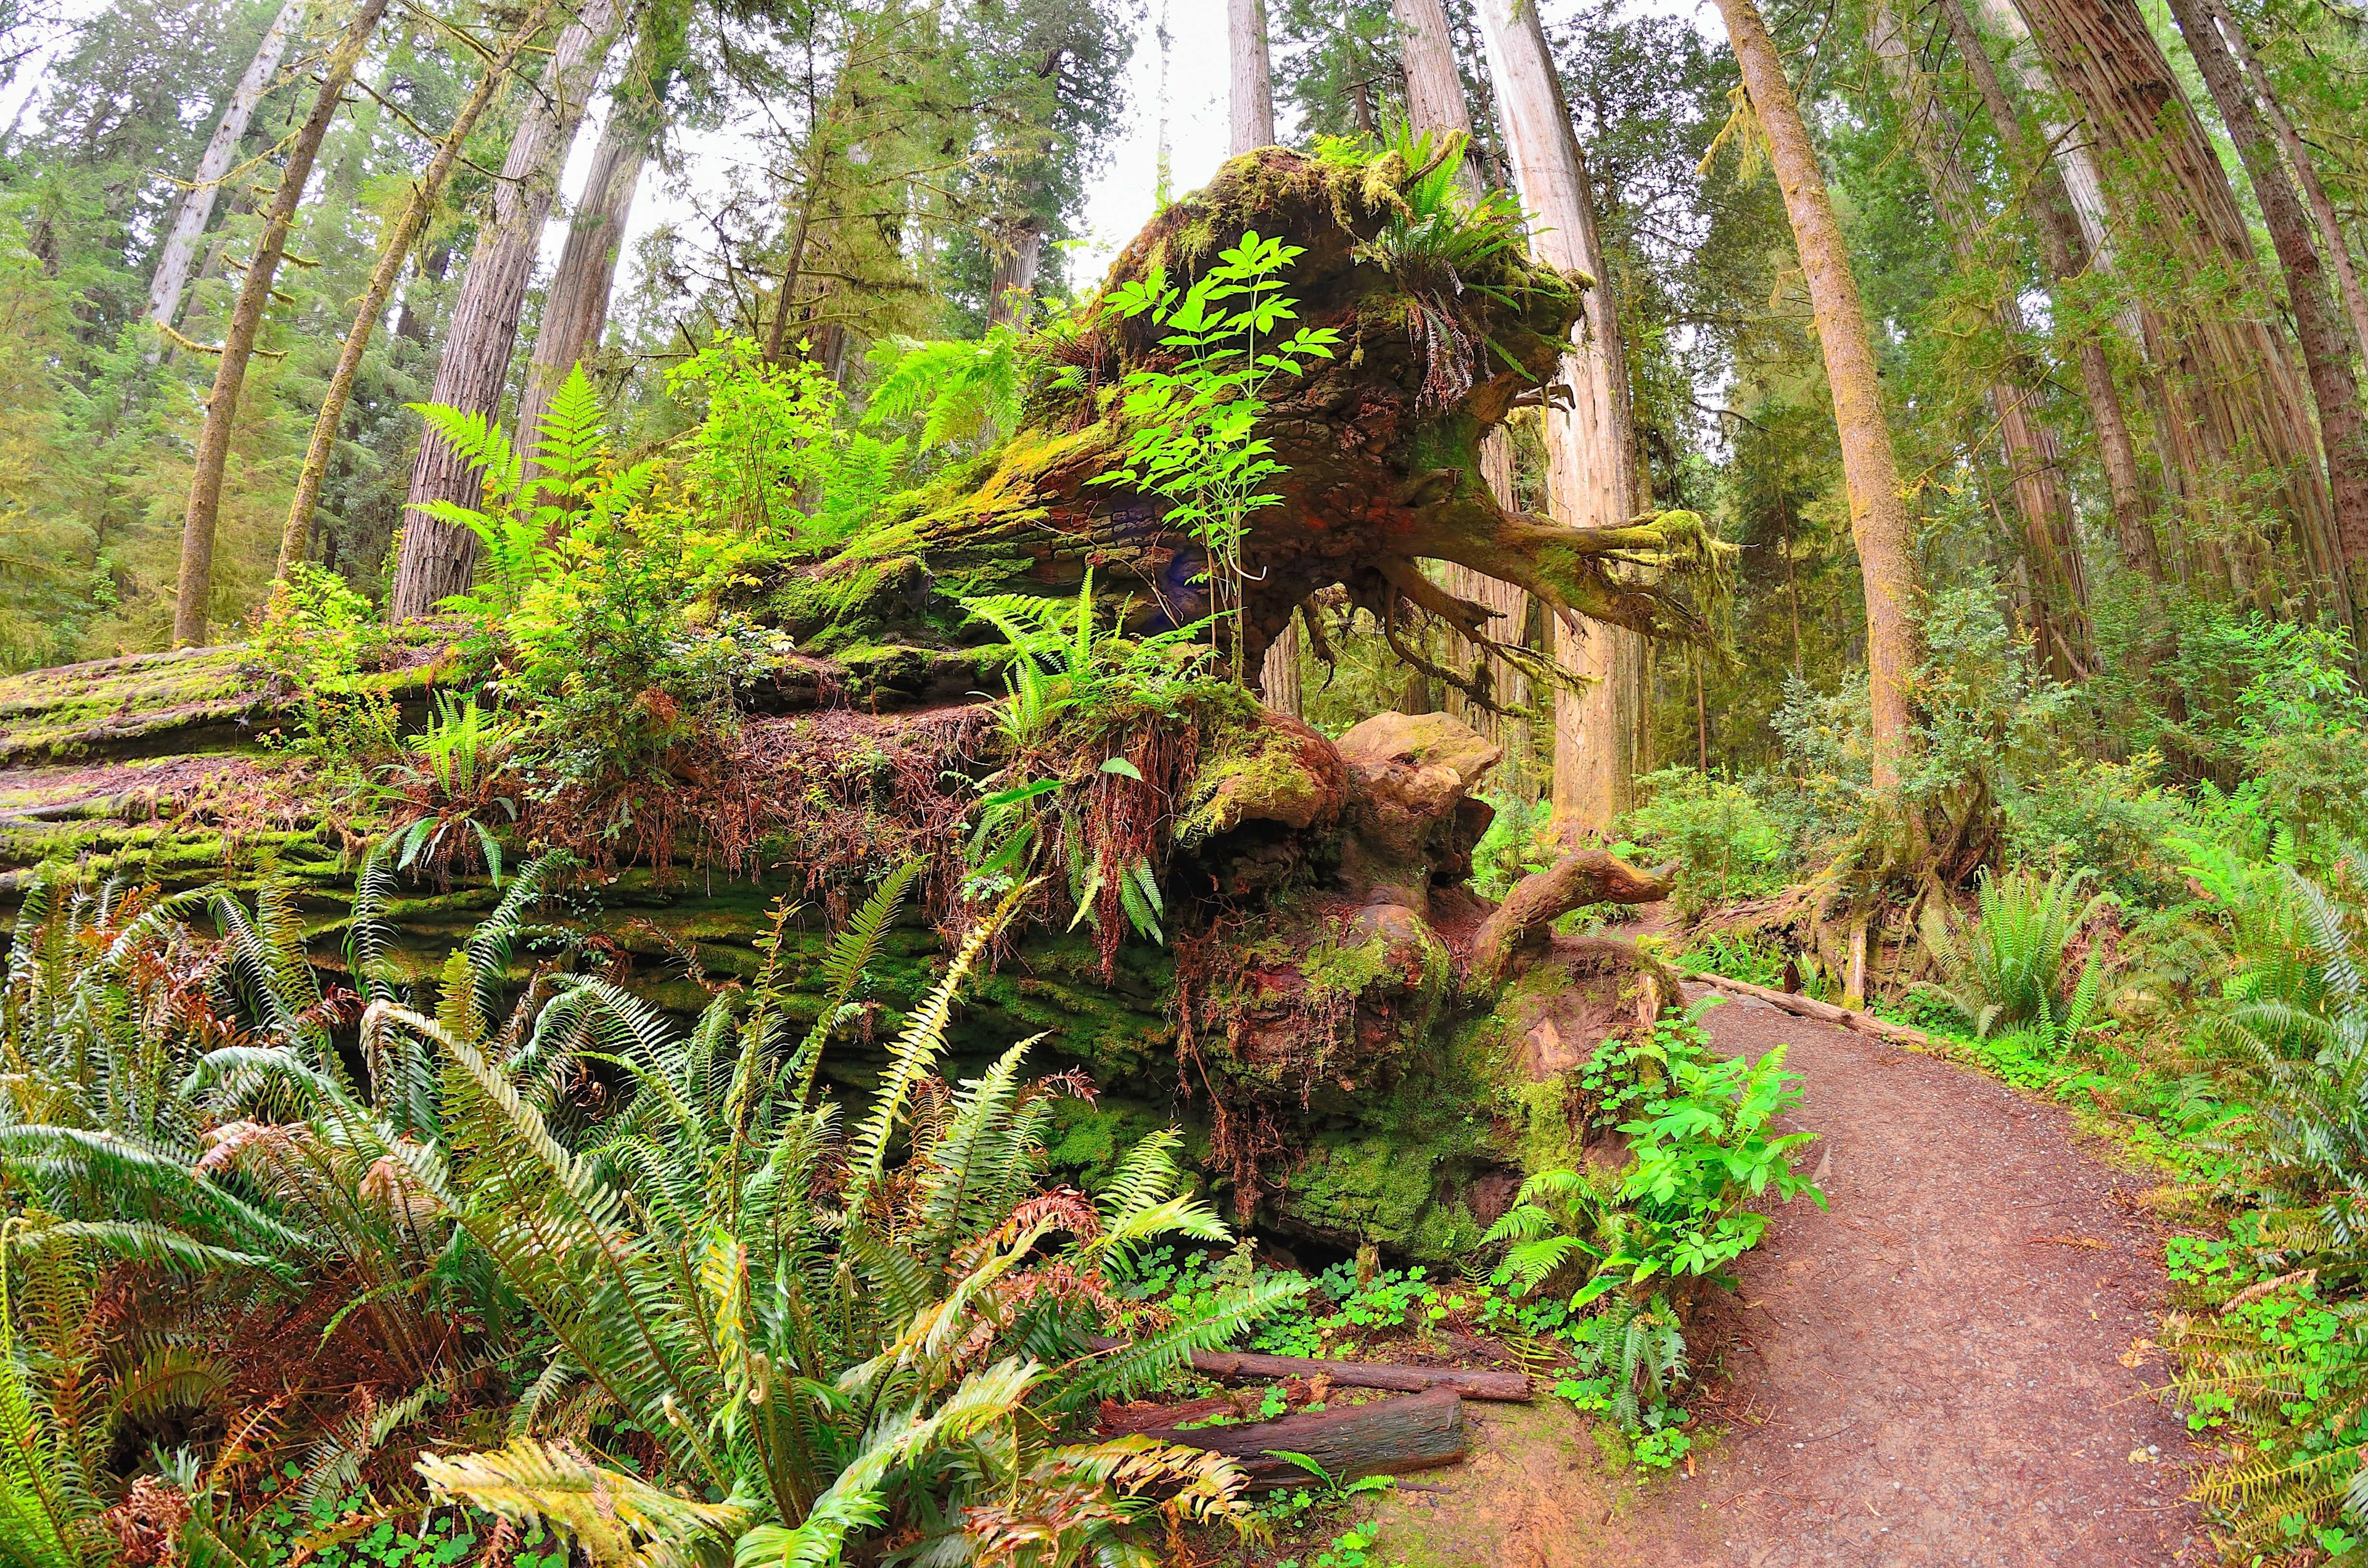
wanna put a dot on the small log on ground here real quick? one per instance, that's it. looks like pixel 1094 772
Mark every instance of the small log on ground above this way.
pixel 1399 1377
pixel 1505 1388
pixel 1824 1012
pixel 1389 1437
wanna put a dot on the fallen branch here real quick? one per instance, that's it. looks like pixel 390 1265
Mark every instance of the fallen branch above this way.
pixel 1233 1366
pixel 1503 1387
pixel 1389 1437
pixel 1824 1012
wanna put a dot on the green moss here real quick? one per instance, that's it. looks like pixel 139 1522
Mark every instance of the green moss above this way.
pixel 1087 1141
pixel 1546 1140
pixel 1347 969
pixel 1249 770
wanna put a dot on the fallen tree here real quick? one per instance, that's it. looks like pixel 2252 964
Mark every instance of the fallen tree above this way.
pixel 1445 327
pixel 1364 1049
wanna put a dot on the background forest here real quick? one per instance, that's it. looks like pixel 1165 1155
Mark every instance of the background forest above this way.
pixel 1947 561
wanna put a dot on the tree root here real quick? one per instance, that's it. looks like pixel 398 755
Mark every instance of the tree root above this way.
pixel 1578 880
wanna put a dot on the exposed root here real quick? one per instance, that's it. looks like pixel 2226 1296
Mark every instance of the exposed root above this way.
pixel 1578 880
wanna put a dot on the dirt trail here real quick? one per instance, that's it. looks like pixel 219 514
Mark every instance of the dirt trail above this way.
pixel 1939 1370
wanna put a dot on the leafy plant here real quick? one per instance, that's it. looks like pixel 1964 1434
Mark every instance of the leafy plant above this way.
pixel 455 781
pixel 1068 676
pixel 520 515
pixel 771 458
pixel 2005 966
pixel 1191 439
pixel 1700 1132
pixel 1445 241
pixel 961 391
pixel 1725 843
pixel 52 1439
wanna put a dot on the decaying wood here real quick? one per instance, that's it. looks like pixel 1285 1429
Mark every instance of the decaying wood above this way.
pixel 1824 1012
pixel 1503 1387
pixel 1389 1437
pixel 1578 880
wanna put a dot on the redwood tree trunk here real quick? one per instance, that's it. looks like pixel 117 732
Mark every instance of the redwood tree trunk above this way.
pixel 576 308
pixel 197 524
pixel 2055 216
pixel 2051 544
pixel 2238 402
pixel 1435 103
pixel 1250 99
pixel 1878 509
pixel 171 275
pixel 1592 475
pixel 1011 293
pixel 394 250
pixel 2325 344
pixel 437 559
pixel 2305 173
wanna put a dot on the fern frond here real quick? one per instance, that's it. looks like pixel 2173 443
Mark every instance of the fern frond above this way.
pixel 612 1516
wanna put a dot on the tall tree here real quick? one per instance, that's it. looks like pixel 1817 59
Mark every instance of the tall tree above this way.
pixel 2236 405
pixel 395 250
pixel 1878 508
pixel 1435 103
pixel 2059 584
pixel 2306 171
pixel 1250 102
pixel 171 278
pixel 2062 245
pixel 196 583
pixel 439 559
pixel 576 307
pixel 1250 114
pixel 2327 345
pixel 1593 478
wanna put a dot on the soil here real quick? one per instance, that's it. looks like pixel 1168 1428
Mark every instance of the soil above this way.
pixel 1951 1365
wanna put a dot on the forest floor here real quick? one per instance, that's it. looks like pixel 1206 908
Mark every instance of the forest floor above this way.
pixel 1952 1365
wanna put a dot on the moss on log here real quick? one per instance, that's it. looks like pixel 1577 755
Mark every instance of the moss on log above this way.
pixel 1361 1047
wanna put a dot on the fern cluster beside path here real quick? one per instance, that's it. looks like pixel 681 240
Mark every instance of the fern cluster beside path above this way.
pixel 1952 1366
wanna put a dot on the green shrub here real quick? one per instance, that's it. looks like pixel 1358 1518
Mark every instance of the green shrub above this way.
pixel 1725 844
pixel 2109 817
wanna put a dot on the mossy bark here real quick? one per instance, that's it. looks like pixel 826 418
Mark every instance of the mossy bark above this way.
pixel 1380 445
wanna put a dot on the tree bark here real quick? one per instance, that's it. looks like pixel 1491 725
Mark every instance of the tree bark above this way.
pixel 1434 86
pixel 1011 294
pixel 576 307
pixel 1878 508
pixel 2236 403
pixel 2326 347
pixel 2051 544
pixel 171 278
pixel 1592 475
pixel 1250 99
pixel 2305 173
pixel 2054 212
pixel 394 251
pixel 1537 900
pixel 1389 1437
pixel 1435 102
pixel 198 524
pixel 439 559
